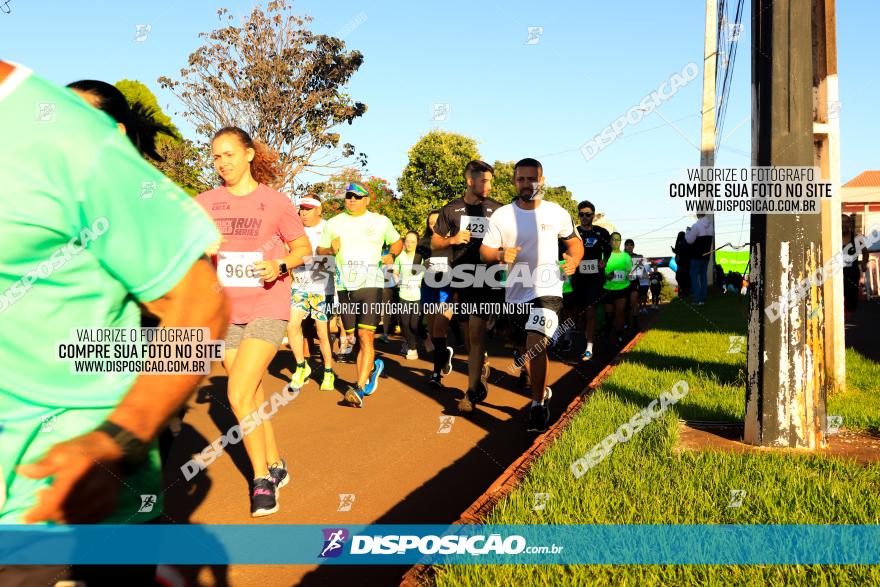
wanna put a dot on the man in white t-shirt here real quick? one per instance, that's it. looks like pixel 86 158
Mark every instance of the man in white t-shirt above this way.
pixel 312 297
pixel 525 235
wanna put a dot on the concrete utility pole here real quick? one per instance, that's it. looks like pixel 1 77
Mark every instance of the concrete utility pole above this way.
pixel 826 136
pixel 707 128
pixel 785 397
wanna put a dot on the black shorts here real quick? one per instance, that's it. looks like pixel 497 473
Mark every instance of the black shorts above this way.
pixel 360 308
pixel 481 302
pixel 522 317
pixel 612 295
pixel 571 301
pixel 589 290
pixel 643 291
pixel 655 290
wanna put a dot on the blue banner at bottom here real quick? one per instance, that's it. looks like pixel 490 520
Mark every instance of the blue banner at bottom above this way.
pixel 439 544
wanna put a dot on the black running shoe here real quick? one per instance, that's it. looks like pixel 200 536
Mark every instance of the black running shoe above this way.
pixel 278 473
pixel 485 371
pixel 537 419
pixel 480 394
pixel 435 380
pixel 447 368
pixel 264 498
pixel 548 393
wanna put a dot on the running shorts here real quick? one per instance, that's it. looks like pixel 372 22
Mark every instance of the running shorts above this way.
pixel 360 308
pixel 271 330
pixel 539 315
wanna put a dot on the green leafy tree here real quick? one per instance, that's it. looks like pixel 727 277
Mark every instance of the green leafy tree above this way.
pixel 185 163
pixel 433 176
pixel 504 190
pixel 283 84
pixel 136 91
pixel 332 193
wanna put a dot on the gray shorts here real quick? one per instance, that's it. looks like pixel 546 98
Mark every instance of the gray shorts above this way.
pixel 269 329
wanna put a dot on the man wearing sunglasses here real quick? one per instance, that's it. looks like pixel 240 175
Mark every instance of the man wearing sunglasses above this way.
pixel 357 237
pixel 588 282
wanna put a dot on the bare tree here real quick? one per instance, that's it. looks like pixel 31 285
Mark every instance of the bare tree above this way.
pixel 283 84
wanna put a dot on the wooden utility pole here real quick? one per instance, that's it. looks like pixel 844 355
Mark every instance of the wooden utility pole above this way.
pixel 826 136
pixel 785 395
pixel 707 129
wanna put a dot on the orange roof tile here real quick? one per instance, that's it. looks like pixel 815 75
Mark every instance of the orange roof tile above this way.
pixel 866 179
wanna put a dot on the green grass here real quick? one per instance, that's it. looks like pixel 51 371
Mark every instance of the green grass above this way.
pixel 644 481
pixel 860 403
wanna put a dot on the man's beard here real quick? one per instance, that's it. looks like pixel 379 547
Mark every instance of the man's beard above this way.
pixel 533 194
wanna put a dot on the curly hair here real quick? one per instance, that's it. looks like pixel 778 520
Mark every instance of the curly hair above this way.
pixel 264 167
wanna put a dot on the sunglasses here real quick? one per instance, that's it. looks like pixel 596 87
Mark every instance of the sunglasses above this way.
pixel 582 214
pixel 355 191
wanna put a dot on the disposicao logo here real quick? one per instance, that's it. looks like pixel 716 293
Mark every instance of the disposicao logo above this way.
pixel 334 538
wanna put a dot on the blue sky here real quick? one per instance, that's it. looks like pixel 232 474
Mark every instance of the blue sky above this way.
pixel 593 62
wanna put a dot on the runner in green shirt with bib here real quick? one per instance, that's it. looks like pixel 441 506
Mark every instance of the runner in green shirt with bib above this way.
pixel 617 271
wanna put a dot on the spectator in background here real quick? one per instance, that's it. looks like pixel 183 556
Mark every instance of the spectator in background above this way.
pixel 719 277
pixel 852 271
pixel 681 250
pixel 656 284
pixel 699 236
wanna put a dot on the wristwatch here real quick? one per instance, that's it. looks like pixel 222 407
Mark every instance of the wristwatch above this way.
pixel 282 268
pixel 134 450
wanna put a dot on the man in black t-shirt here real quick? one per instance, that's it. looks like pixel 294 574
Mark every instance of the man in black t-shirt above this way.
pixel 460 229
pixel 587 284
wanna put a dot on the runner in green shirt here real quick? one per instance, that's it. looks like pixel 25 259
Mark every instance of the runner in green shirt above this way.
pixel 617 285
pixel 100 232
pixel 357 237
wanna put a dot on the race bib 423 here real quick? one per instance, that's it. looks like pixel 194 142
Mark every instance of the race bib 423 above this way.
pixel 476 225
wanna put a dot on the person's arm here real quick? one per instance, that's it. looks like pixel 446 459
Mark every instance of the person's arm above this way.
pixel 299 248
pixel 606 250
pixel 443 227
pixel 690 235
pixel 326 242
pixel 492 255
pixel 491 249
pixel 397 268
pixel 573 255
pixel 393 240
pixel 439 243
pixel 86 469
pixel 393 251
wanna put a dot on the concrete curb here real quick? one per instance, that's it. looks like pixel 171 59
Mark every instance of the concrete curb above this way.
pixel 420 575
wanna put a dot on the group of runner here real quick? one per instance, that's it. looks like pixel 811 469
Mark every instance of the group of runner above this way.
pixel 345 264
pixel 282 266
